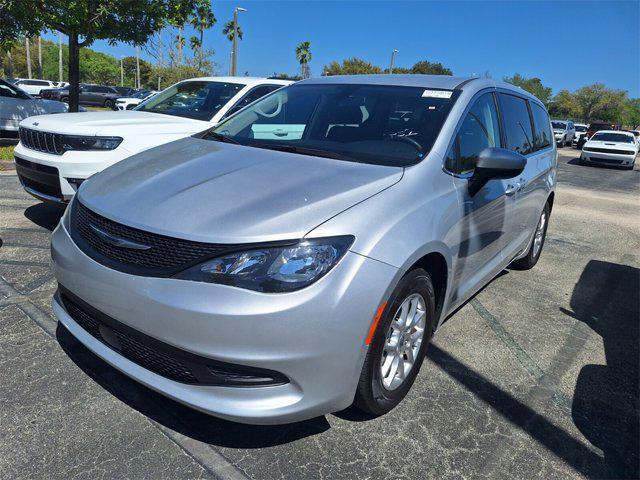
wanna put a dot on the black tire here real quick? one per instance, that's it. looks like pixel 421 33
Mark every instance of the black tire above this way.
pixel 108 103
pixel 530 260
pixel 64 99
pixel 372 397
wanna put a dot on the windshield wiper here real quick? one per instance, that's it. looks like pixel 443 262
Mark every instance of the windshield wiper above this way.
pixel 304 151
pixel 219 137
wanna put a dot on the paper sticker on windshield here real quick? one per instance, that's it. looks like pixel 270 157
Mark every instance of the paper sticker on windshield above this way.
pixel 437 93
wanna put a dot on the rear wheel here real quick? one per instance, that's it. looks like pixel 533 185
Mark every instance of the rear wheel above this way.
pixel 64 99
pixel 530 260
pixel 398 346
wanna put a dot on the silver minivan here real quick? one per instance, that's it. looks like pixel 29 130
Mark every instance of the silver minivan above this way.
pixel 297 258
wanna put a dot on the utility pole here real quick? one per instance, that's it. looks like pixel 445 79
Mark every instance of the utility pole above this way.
pixel 393 54
pixel 26 41
pixel 121 72
pixel 234 51
pixel 137 66
pixel 39 56
pixel 59 56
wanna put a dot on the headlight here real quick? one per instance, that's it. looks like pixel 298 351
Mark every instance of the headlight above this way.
pixel 76 142
pixel 273 270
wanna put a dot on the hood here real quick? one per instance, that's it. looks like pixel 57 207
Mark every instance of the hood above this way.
pixel 611 145
pixel 118 123
pixel 215 192
pixel 51 106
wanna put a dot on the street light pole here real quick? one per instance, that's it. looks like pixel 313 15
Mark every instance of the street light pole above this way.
pixel 234 50
pixel 393 54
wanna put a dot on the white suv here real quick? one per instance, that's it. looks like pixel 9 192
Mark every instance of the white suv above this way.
pixel 55 155
pixel 33 86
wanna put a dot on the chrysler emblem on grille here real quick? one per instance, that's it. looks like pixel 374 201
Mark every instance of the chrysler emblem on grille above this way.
pixel 118 241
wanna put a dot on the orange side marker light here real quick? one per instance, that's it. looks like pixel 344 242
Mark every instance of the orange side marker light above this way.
pixel 374 325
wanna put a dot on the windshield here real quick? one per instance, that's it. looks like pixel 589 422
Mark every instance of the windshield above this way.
pixel 200 100
pixel 142 94
pixel 385 125
pixel 580 128
pixel 559 125
pixel 612 137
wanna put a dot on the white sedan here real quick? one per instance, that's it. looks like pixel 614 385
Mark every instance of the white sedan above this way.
pixel 611 147
pixel 127 103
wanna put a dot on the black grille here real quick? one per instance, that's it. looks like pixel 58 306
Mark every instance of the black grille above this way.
pixel 158 357
pixel 605 160
pixel 166 255
pixel 608 150
pixel 40 178
pixel 130 348
pixel 41 141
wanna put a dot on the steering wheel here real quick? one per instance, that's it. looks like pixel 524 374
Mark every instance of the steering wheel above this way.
pixel 271 115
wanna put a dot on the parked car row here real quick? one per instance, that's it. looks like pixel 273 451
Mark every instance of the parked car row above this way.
pixel 56 154
pixel 269 254
pixel 90 95
pixel 16 105
pixel 34 86
pixel 133 100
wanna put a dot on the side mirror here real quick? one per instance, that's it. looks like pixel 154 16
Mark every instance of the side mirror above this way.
pixel 495 163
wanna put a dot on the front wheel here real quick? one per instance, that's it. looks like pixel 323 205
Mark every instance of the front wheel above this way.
pixel 533 255
pixel 108 103
pixel 398 346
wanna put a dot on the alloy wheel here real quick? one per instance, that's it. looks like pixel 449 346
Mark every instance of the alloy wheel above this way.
pixel 403 341
pixel 539 235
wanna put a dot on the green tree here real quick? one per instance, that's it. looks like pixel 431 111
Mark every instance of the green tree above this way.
pixel 351 66
pixel 428 68
pixel 532 85
pixel 631 116
pixel 563 105
pixel 129 67
pixel 597 102
pixel 85 21
pixel 201 20
pixel 228 31
pixel 303 55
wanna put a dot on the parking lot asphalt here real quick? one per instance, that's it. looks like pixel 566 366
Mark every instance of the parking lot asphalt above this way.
pixel 535 377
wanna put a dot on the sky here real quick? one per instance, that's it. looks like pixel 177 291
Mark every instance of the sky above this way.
pixel 567 44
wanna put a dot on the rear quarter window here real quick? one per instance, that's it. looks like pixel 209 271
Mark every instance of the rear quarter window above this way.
pixel 517 123
pixel 542 137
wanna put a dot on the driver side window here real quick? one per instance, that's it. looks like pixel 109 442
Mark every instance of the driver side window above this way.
pixel 480 129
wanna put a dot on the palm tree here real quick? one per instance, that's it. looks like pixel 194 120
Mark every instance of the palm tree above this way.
pixel 26 42
pixel 180 42
pixel 202 20
pixel 303 54
pixel 228 31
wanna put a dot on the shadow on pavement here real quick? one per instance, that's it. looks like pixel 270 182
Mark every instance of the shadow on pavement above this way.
pixel 606 398
pixel 45 215
pixel 178 417
pixel 605 403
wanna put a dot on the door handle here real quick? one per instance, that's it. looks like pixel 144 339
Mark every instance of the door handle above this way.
pixel 511 189
pixel 521 184
pixel 280 133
